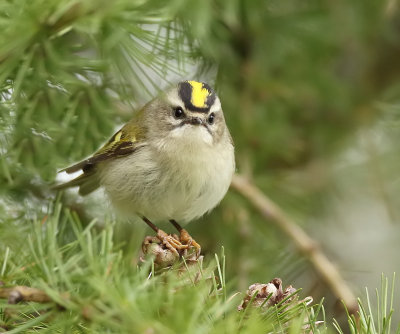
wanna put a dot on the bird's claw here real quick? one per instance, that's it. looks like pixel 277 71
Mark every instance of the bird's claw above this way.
pixel 188 241
pixel 171 242
pixel 168 248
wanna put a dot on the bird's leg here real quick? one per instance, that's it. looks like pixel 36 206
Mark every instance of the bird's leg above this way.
pixel 169 241
pixel 185 237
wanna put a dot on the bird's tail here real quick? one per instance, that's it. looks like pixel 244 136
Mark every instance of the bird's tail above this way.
pixel 87 183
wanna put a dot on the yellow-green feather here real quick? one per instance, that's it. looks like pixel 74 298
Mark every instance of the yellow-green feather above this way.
pixel 123 142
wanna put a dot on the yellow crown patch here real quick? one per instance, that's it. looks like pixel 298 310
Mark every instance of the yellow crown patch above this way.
pixel 199 94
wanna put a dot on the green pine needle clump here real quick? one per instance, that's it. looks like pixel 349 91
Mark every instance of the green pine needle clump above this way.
pixel 370 319
pixel 94 287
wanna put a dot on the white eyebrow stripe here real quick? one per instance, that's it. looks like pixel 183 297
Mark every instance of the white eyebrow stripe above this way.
pixel 216 105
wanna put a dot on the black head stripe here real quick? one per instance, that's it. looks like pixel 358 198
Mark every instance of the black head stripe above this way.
pixel 185 93
pixel 196 96
pixel 210 97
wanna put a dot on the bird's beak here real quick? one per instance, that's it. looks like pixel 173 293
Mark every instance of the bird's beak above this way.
pixel 195 121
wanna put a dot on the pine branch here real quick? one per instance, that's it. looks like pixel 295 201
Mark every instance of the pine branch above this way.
pixel 305 244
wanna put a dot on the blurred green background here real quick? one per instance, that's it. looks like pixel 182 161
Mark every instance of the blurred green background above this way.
pixel 310 91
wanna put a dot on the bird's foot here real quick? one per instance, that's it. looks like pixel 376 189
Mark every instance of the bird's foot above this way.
pixel 168 249
pixel 172 242
pixel 163 256
pixel 188 241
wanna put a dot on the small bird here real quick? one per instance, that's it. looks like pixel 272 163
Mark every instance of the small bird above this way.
pixel 174 160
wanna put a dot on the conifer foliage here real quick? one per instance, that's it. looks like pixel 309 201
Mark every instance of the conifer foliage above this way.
pixel 296 79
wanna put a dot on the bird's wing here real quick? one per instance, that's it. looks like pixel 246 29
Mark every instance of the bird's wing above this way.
pixel 125 141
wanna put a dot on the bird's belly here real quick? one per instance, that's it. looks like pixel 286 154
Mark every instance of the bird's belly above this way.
pixel 182 190
pixel 185 200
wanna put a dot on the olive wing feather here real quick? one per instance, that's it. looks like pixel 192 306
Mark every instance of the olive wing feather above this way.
pixel 123 142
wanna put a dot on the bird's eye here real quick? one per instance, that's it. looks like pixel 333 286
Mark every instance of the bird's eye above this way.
pixel 211 118
pixel 178 112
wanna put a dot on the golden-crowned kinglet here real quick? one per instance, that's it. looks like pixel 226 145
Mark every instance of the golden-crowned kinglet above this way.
pixel 174 160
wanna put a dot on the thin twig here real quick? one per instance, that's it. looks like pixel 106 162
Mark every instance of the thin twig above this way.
pixel 300 238
pixel 21 293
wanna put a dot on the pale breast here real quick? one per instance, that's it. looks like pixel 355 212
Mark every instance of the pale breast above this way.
pixel 180 185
